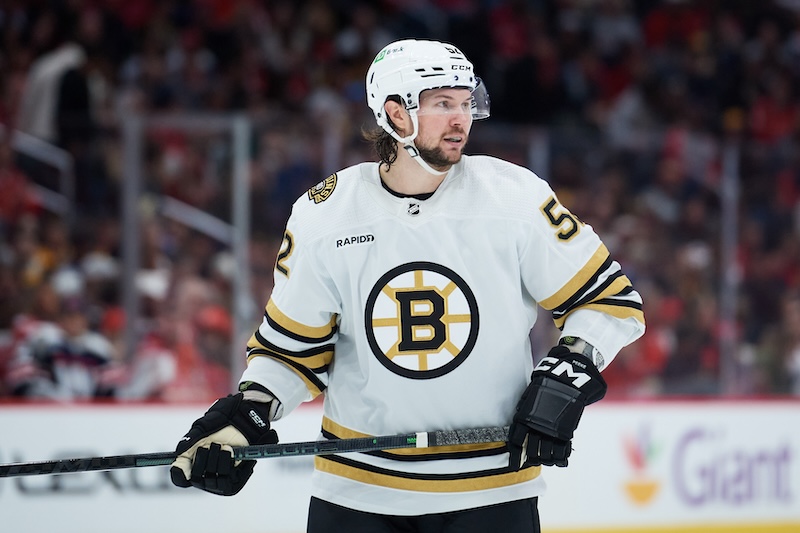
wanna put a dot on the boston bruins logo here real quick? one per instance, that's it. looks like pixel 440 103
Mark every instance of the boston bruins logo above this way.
pixel 421 320
pixel 322 190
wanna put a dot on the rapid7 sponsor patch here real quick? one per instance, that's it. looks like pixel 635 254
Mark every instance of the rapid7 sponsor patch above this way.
pixel 355 239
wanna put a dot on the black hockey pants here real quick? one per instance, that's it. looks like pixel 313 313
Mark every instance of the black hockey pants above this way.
pixel 513 517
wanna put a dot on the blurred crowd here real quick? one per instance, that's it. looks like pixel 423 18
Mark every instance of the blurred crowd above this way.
pixel 630 105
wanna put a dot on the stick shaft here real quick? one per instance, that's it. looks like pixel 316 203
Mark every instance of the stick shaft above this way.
pixel 291 449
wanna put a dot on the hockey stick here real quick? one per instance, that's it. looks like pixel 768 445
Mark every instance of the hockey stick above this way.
pixel 428 439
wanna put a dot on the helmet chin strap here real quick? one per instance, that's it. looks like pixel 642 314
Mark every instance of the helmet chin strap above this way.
pixel 411 148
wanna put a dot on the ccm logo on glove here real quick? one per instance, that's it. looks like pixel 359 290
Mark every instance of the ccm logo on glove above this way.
pixel 559 367
pixel 257 419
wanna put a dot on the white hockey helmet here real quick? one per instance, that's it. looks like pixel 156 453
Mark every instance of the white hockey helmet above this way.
pixel 408 67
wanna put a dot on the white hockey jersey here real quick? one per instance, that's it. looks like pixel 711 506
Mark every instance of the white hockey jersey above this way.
pixel 414 315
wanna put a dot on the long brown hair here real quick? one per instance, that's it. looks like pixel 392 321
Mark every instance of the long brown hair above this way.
pixel 384 144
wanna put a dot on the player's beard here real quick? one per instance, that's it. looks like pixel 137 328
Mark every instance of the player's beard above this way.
pixel 437 158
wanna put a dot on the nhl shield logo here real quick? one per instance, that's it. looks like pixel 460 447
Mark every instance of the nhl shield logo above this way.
pixel 322 190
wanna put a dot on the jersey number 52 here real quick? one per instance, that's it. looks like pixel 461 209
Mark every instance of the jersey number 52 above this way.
pixel 566 224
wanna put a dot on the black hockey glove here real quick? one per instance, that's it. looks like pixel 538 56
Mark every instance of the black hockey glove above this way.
pixel 562 384
pixel 205 460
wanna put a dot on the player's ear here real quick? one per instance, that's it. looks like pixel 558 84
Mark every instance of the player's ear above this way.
pixel 398 117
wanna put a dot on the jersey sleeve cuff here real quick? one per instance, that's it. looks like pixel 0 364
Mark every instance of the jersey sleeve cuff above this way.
pixel 606 333
pixel 282 382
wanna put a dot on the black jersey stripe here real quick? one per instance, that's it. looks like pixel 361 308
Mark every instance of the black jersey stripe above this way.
pixel 586 294
pixel 455 482
pixel 297 336
pixel 315 386
pixel 260 352
pixel 310 352
pixel 414 475
pixel 620 303
pixel 296 330
pixel 620 309
pixel 610 292
pixel 590 282
pixel 434 456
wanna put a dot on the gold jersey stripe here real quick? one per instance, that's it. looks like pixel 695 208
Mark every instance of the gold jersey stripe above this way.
pixel 314 387
pixel 385 478
pixel 616 287
pixel 302 330
pixel 578 281
pixel 342 432
pixel 296 364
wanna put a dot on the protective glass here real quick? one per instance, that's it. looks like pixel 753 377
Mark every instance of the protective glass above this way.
pixel 477 106
pixel 480 100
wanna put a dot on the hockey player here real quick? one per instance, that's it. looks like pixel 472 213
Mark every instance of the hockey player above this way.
pixel 405 292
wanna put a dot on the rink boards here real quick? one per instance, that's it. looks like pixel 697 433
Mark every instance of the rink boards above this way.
pixel 655 467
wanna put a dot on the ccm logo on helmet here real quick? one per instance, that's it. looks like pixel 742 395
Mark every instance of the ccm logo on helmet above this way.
pixel 579 379
pixel 460 67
